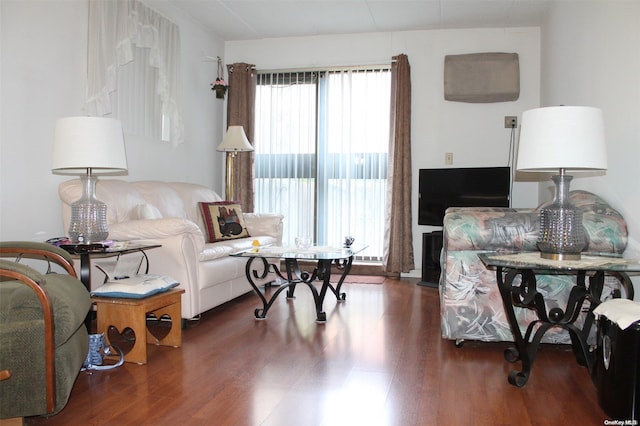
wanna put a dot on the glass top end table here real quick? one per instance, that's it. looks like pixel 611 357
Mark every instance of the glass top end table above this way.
pixel 532 260
pixel 523 293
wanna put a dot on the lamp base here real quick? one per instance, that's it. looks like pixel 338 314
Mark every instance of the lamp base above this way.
pixel 88 215
pixel 230 182
pixel 560 256
pixel 561 234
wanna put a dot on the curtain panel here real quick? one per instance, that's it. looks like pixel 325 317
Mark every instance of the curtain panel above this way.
pixel 116 29
pixel 398 246
pixel 241 112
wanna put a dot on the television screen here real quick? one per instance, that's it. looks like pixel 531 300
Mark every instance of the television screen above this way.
pixel 461 187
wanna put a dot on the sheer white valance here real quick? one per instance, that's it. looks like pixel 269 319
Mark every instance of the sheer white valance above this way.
pixel 132 49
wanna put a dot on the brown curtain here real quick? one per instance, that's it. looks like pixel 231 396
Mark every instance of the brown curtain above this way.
pixel 240 112
pixel 398 242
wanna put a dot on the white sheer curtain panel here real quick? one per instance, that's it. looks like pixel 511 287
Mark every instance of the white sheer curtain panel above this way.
pixel 353 142
pixel 132 69
pixel 285 149
pixel 321 141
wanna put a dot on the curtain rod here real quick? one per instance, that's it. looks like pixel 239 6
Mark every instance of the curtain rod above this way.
pixel 331 68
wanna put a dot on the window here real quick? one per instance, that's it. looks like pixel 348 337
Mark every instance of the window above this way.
pixel 321 141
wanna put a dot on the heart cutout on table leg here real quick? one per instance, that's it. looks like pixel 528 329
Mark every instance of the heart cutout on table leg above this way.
pixel 159 327
pixel 122 340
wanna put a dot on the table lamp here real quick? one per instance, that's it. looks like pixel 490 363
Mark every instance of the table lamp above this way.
pixel 234 141
pixel 563 138
pixel 88 147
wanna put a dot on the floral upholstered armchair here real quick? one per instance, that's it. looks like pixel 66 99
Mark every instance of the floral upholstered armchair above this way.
pixel 470 304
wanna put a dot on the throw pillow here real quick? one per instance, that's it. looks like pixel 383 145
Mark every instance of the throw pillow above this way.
pixel 223 220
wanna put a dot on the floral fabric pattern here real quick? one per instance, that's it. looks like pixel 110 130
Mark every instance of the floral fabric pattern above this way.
pixel 470 303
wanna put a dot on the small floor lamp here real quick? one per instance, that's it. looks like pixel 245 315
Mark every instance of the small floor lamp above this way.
pixel 88 147
pixel 563 138
pixel 234 141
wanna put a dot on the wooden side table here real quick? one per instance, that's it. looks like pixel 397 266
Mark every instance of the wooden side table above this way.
pixel 123 313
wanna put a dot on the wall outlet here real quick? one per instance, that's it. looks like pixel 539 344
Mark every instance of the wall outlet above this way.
pixel 448 158
pixel 510 121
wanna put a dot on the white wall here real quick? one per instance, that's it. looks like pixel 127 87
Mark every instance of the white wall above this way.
pixel 591 56
pixel 475 133
pixel 43 77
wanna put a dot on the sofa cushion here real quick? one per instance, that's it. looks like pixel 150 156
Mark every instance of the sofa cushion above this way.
pixel 161 195
pixel 225 248
pixel 191 194
pixel 215 251
pixel 247 243
pixel 121 197
pixel 223 220
pixel 265 224
pixel 147 211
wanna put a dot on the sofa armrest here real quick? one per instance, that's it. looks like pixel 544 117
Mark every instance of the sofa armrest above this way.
pixel 270 224
pixel 31 344
pixel 38 250
pixel 156 229
pixel 605 233
pixel 181 244
pixel 490 229
pixel 20 269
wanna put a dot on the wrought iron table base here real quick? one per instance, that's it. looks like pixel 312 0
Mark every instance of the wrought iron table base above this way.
pixel 294 276
pixel 526 295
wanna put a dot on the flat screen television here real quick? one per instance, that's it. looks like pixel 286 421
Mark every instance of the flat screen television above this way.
pixel 461 187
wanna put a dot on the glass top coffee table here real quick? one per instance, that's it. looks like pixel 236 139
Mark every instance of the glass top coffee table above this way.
pixel 262 260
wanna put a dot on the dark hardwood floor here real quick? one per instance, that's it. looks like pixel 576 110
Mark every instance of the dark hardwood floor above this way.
pixel 378 360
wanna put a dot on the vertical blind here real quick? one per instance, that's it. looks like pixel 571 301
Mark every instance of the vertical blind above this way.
pixel 321 143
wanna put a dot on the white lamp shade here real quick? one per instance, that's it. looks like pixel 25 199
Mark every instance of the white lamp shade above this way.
pixel 563 137
pixel 81 143
pixel 235 140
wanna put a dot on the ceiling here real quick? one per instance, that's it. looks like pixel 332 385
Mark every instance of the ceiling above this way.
pixel 256 19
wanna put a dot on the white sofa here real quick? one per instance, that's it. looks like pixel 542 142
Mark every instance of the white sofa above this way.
pixel 167 213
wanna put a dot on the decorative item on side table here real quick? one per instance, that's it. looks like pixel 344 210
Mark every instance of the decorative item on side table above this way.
pixel 348 241
pixel 563 138
pixel 234 141
pixel 303 243
pixel 88 147
pixel 220 86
